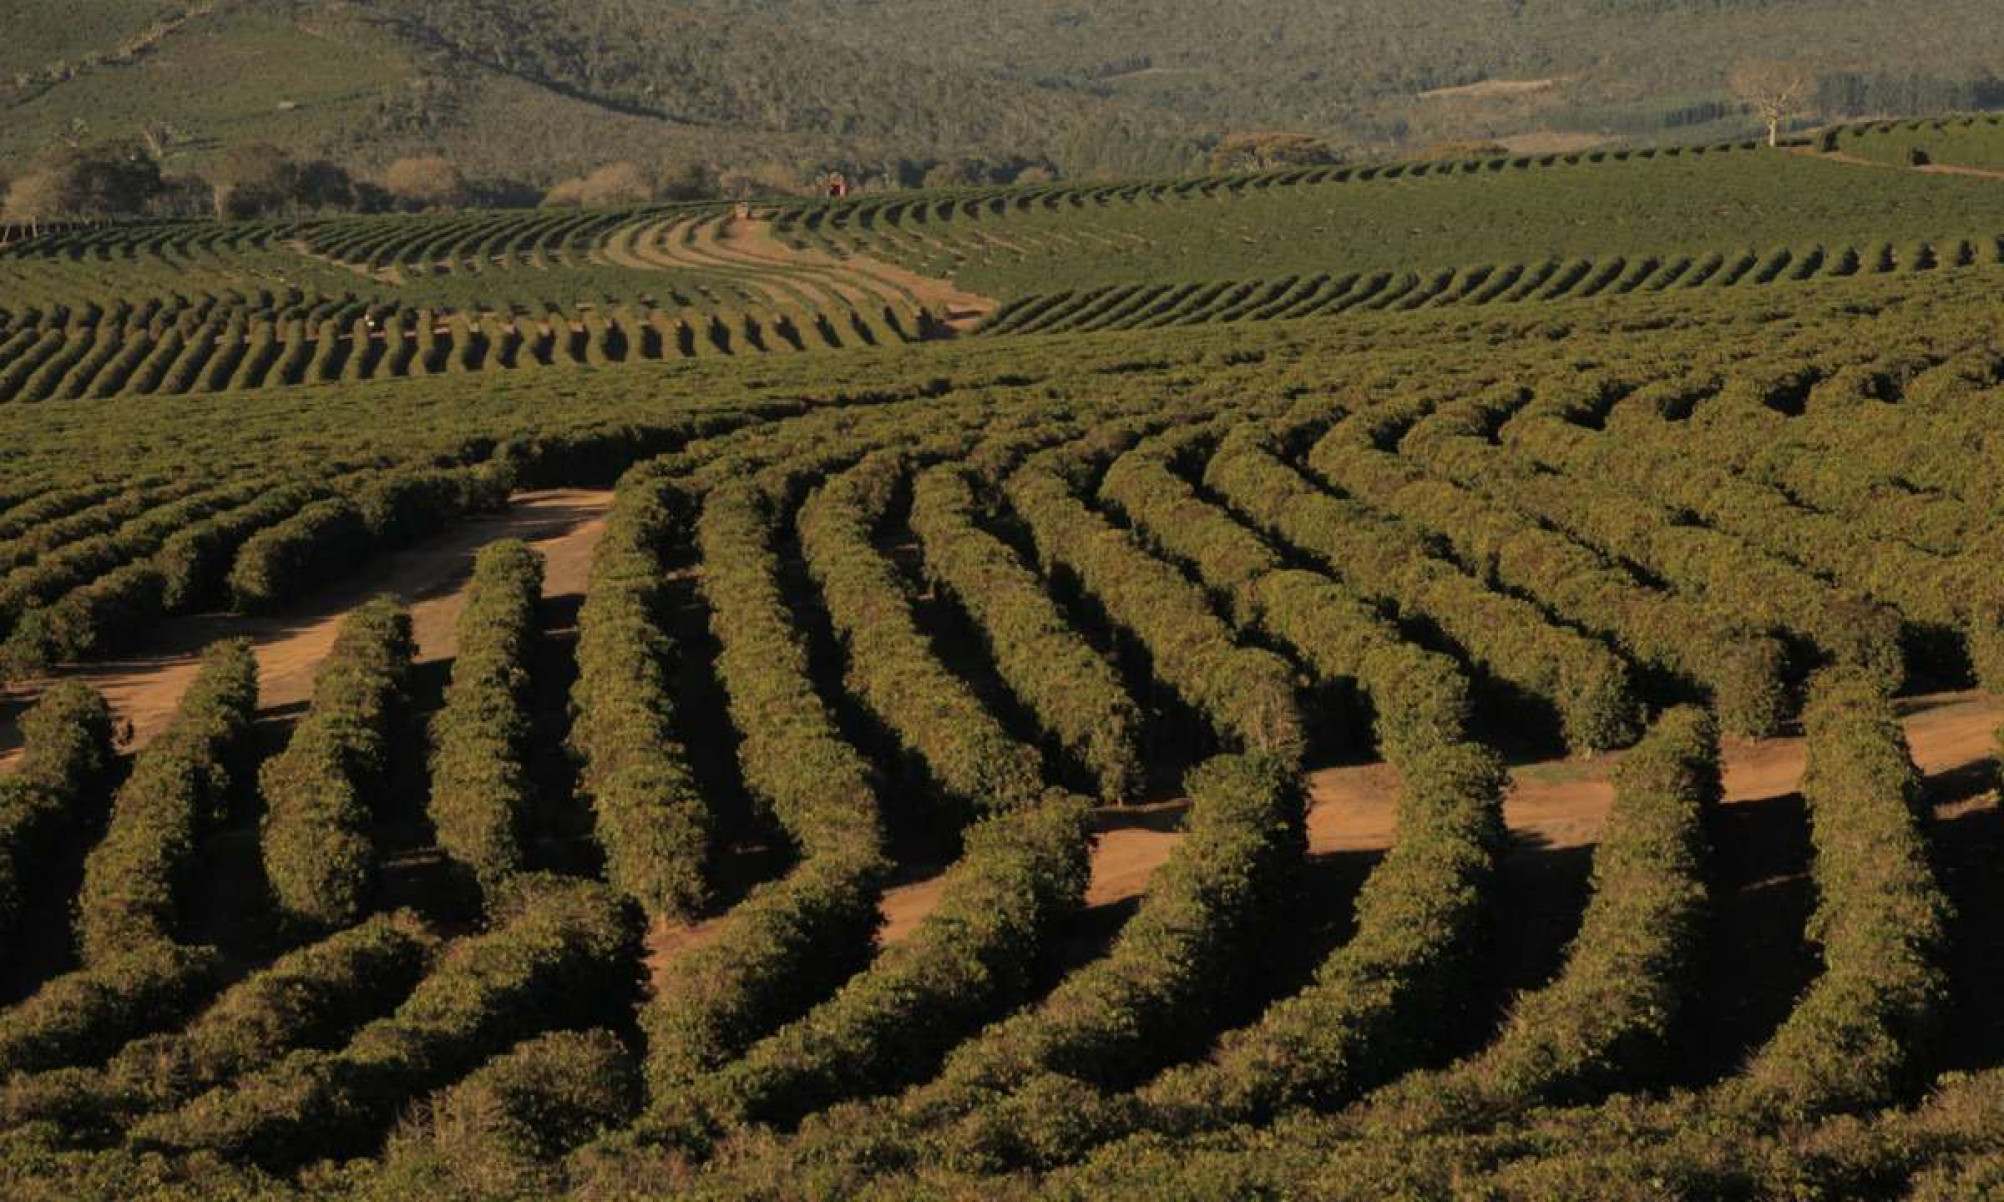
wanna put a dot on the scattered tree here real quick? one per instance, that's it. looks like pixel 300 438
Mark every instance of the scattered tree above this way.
pixel 251 178
pixel 33 199
pixel 1774 89
pixel 614 184
pixel 425 183
pixel 1269 151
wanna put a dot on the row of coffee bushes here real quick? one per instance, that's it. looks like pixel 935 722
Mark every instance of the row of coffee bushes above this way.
pixel 1603 1023
pixel 1854 1039
pixel 1153 997
pixel 1020 874
pixel 36 509
pixel 1076 696
pixel 282 562
pixel 35 597
pixel 48 799
pixel 82 1017
pixel 1380 557
pixel 1418 696
pixel 56 520
pixel 792 941
pixel 650 819
pixel 480 788
pixel 1898 451
pixel 1247 693
pixel 891 667
pixel 558 954
pixel 1723 572
pixel 1381 1000
pixel 1930 590
pixel 136 979
pixel 315 996
pixel 506 1127
pixel 183 786
pixel 1741 670
pixel 326 789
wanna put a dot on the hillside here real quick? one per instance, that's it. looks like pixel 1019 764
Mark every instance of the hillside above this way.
pixel 540 92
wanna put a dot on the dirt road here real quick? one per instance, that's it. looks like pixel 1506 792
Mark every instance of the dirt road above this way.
pixel 1550 807
pixel 564 525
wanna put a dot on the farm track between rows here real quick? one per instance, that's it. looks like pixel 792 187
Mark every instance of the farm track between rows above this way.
pixel 563 524
pixel 1553 805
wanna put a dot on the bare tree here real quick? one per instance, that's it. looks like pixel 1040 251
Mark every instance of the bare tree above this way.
pixel 1776 90
pixel 34 199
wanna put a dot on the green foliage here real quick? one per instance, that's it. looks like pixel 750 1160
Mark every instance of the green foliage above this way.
pixel 284 561
pixel 1419 697
pixel 1741 670
pixel 480 791
pixel 83 1017
pixel 181 788
pixel 1376 1003
pixel 794 940
pixel 1604 1021
pixel 648 815
pixel 325 789
pixel 1246 692
pixel 312 997
pixel 194 561
pixel 67 758
pixel 1075 694
pixel 1019 875
pixel 1382 557
pixel 891 665
pixel 1880 918
pixel 1154 994
pixel 559 954
pixel 498 1132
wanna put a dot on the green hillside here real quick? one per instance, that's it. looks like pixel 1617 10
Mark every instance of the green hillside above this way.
pixel 540 92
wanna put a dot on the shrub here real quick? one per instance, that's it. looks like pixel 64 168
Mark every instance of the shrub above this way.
pixel 796 939
pixel 649 816
pixel 1881 918
pixel 559 954
pixel 1376 1004
pixel 281 563
pixel 84 1016
pixel 891 666
pixel 1583 680
pixel 500 1132
pixel 1019 875
pixel 181 787
pixel 315 996
pixel 1247 693
pixel 320 791
pixel 479 778
pixel 1604 1021
pixel 1075 694
pixel 195 561
pixel 66 759
pixel 1155 994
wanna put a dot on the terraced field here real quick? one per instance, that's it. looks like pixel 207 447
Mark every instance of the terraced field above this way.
pixel 1527 732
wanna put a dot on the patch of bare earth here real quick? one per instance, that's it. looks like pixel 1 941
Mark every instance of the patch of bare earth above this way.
pixel 1555 806
pixel 145 690
pixel 1491 89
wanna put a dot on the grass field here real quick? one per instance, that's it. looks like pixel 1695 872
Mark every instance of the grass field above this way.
pixel 1497 700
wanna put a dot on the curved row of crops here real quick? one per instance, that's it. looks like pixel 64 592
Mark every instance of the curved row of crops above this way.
pixel 849 648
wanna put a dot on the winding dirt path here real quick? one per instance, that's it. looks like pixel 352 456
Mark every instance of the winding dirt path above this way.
pixel 1551 806
pixel 145 690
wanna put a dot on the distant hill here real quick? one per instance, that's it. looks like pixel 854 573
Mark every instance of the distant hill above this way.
pixel 542 91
